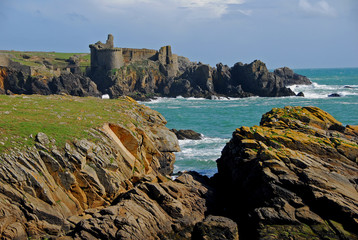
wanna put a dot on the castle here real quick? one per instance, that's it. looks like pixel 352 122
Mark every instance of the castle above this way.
pixel 104 56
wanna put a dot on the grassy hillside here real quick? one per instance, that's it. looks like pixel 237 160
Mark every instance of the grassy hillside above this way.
pixel 55 59
pixel 60 117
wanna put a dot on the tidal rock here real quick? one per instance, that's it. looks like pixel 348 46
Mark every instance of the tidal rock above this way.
pixel 334 95
pixel 300 94
pixel 187 134
pixel 294 175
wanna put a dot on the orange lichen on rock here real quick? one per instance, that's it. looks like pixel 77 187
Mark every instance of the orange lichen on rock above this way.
pixel 3 77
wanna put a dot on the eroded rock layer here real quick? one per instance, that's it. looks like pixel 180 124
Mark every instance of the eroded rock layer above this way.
pixel 43 188
pixel 293 177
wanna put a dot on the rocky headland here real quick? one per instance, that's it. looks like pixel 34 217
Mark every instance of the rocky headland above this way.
pixel 139 73
pixel 292 177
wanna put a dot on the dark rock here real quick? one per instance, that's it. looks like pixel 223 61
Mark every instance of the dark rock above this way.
pixel 300 94
pixel 334 95
pixel 75 85
pixel 186 134
pixel 291 78
pixel 216 227
pixel 256 79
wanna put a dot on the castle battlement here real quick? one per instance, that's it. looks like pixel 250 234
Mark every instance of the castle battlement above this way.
pixel 104 56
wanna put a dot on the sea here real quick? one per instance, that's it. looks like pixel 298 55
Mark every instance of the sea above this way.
pixel 217 119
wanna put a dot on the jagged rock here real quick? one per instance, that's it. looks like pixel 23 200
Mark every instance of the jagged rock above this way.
pixel 294 175
pixel 75 85
pixel 42 186
pixel 291 78
pixel 186 134
pixel 166 210
pixel 256 79
pixel 216 227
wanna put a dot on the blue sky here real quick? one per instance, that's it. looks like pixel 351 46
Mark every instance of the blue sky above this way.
pixel 293 33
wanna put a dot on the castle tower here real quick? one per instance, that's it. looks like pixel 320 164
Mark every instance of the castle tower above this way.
pixel 104 56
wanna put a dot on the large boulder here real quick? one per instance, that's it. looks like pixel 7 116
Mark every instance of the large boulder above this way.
pixel 187 134
pixel 292 177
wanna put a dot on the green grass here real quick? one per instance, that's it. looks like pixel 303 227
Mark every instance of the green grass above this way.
pixel 62 118
pixel 57 59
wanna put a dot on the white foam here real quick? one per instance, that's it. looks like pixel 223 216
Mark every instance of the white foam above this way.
pixel 105 96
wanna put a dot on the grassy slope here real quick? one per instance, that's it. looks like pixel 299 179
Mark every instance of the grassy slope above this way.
pixel 60 117
pixel 57 59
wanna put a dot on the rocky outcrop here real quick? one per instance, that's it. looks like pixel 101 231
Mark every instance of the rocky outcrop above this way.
pixel 255 78
pixel 19 82
pixel 162 210
pixel 291 78
pixel 292 177
pixel 187 134
pixel 241 80
pixel 47 190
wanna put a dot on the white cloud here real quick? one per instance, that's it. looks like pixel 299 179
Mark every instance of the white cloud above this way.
pixel 196 8
pixel 317 7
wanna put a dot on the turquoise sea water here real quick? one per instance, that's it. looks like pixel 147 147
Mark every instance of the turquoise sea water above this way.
pixel 217 119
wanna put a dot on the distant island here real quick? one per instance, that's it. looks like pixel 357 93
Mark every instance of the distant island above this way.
pixel 139 73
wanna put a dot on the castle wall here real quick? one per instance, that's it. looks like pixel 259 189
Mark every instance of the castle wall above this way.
pixel 106 57
pixel 132 55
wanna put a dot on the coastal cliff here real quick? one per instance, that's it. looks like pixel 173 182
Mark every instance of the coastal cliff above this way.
pixel 86 168
pixel 53 183
pixel 139 73
pixel 292 177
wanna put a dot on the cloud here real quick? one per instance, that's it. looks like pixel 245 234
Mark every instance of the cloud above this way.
pixel 320 7
pixel 77 17
pixel 195 8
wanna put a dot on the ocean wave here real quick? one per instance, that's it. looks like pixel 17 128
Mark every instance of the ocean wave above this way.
pixel 317 90
pixel 205 140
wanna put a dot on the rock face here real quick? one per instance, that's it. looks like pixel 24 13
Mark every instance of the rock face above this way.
pixel 19 82
pixel 164 210
pixel 291 78
pixel 292 177
pixel 47 191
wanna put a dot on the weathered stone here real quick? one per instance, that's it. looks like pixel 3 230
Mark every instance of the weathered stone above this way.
pixel 42 186
pixel 42 138
pixel 282 186
pixel 216 227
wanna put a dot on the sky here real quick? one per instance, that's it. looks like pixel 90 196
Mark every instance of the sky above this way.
pixel 292 33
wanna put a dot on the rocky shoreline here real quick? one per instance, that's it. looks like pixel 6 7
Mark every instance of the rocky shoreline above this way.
pixel 293 177
pixel 143 79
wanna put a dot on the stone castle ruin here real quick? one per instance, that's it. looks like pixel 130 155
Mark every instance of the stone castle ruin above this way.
pixel 105 57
